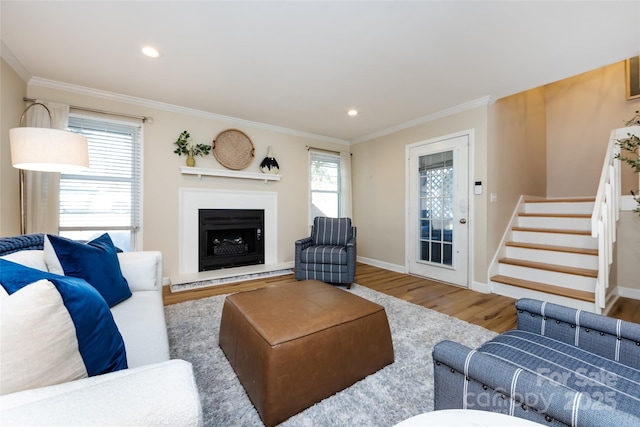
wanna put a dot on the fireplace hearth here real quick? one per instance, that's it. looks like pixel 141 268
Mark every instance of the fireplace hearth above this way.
pixel 230 238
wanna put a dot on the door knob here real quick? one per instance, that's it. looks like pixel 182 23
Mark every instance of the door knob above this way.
pixel 463 221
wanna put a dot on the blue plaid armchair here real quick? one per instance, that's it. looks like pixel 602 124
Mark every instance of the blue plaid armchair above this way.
pixel 329 254
pixel 560 367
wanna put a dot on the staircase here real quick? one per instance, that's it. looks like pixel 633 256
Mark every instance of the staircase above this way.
pixel 561 250
pixel 549 254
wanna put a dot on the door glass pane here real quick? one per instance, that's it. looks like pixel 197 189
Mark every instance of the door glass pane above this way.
pixel 436 207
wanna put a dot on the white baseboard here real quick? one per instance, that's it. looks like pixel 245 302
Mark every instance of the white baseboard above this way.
pixel 381 264
pixel 629 292
pixel 475 286
pixel 610 303
pixel 480 287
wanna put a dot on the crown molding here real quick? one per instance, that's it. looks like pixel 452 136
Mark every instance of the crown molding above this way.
pixel 13 62
pixel 142 102
pixel 480 102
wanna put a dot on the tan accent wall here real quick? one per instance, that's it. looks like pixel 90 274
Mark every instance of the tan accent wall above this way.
pixel 13 89
pixel 162 178
pixel 581 112
pixel 379 178
pixel 517 157
pixel 627 253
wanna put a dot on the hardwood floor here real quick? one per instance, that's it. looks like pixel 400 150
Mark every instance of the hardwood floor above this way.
pixel 493 312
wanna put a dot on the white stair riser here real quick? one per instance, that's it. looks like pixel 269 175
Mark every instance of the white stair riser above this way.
pixel 516 293
pixel 560 208
pixel 568 259
pixel 557 239
pixel 570 281
pixel 555 223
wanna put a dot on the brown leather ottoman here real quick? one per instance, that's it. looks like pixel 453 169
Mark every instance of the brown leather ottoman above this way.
pixel 296 343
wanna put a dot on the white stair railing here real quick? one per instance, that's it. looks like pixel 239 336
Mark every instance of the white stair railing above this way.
pixel 606 211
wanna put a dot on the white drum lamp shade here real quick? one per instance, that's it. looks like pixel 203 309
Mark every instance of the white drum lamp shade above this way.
pixel 48 150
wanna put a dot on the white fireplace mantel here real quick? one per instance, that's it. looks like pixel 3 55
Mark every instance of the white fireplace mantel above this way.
pixel 200 172
pixel 191 200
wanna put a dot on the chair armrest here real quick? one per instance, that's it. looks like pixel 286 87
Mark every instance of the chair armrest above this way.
pixel 467 379
pixel 303 243
pixel 608 337
pixel 351 248
pixel 143 270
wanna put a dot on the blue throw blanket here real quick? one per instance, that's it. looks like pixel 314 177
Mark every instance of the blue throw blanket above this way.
pixel 19 243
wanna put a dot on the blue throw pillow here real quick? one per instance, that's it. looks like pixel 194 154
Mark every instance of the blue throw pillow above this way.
pixel 95 261
pixel 99 341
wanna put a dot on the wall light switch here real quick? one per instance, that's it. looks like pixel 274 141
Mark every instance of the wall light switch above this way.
pixel 494 197
pixel 477 189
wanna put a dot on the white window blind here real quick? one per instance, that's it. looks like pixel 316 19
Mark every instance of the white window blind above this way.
pixel 324 185
pixel 106 198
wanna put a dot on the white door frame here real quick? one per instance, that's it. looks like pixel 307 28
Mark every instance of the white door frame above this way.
pixel 470 216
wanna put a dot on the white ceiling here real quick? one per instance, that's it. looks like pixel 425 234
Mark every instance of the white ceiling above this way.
pixel 302 65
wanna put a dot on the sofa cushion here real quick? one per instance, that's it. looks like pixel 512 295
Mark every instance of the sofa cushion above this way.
pixel 39 345
pixel 95 261
pixel 141 322
pixel 99 341
pixel 331 231
pixel 598 378
pixel 324 254
pixel 163 394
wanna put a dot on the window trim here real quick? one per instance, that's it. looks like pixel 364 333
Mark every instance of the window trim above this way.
pixel 319 154
pixel 137 227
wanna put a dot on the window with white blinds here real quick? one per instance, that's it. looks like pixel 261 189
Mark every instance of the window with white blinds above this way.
pixel 107 197
pixel 325 187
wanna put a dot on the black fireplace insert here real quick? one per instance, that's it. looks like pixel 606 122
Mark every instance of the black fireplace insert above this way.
pixel 230 238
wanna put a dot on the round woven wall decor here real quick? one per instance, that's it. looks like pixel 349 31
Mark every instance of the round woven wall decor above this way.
pixel 233 149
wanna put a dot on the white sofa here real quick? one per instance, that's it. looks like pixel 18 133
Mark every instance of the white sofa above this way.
pixel 153 391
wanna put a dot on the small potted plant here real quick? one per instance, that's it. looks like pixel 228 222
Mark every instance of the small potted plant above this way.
pixel 188 147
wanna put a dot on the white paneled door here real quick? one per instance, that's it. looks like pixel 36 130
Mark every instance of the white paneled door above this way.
pixel 438 219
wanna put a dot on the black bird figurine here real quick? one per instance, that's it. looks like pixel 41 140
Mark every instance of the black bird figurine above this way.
pixel 269 163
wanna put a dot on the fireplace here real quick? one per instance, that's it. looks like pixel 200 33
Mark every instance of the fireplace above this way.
pixel 230 238
pixel 192 200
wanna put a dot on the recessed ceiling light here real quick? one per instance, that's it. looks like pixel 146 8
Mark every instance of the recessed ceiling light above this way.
pixel 352 112
pixel 150 52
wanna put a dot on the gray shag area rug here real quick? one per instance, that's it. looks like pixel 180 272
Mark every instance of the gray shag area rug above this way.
pixel 396 392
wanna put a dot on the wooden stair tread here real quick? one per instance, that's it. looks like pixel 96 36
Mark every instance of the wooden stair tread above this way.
pixel 543 287
pixel 552 230
pixel 555 215
pixel 562 200
pixel 570 249
pixel 551 267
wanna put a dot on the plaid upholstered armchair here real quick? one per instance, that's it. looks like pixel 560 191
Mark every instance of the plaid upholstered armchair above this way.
pixel 561 366
pixel 329 254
